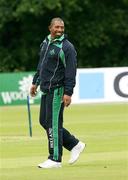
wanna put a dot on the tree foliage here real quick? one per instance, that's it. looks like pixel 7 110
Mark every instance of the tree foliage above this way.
pixel 98 29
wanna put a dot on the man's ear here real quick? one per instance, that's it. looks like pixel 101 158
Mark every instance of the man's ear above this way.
pixel 49 27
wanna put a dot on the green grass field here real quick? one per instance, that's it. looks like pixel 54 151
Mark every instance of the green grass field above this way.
pixel 103 127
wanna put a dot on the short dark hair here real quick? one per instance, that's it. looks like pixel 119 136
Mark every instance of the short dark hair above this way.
pixel 56 19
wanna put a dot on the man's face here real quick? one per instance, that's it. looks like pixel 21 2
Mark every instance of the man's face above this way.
pixel 56 29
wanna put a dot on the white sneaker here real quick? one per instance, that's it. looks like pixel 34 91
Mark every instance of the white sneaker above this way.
pixel 75 152
pixel 49 164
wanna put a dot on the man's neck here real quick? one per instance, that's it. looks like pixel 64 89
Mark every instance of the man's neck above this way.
pixel 51 38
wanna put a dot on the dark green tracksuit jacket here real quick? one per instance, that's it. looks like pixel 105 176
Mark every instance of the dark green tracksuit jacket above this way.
pixel 55 74
pixel 57 65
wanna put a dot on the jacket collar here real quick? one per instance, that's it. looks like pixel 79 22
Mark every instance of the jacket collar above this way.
pixel 56 39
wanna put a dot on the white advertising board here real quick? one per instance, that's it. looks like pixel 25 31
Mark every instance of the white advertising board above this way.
pixel 101 85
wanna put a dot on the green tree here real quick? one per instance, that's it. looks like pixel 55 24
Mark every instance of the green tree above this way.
pixel 98 29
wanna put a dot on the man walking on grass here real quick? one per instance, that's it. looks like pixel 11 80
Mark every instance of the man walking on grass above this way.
pixel 56 74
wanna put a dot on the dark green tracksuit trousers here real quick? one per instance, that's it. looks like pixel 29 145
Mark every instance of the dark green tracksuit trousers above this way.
pixel 51 118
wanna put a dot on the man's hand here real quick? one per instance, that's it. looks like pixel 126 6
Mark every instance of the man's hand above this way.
pixel 33 90
pixel 66 100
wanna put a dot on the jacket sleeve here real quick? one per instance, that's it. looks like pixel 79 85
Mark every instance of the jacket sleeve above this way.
pixel 70 69
pixel 36 77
